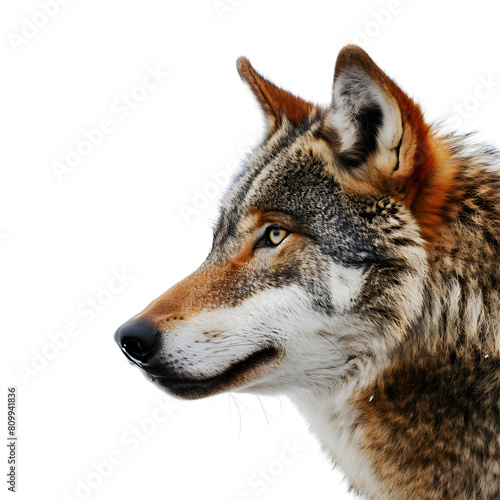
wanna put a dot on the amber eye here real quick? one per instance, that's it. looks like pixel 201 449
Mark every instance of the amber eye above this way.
pixel 277 235
pixel 273 236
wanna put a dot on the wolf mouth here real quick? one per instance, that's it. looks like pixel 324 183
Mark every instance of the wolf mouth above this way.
pixel 194 388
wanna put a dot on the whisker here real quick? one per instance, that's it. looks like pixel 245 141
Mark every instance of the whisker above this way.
pixel 263 409
pixel 239 413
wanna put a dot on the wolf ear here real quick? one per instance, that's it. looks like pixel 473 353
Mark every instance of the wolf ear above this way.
pixel 381 142
pixel 275 102
pixel 373 127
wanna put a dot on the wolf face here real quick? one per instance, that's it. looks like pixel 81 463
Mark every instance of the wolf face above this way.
pixel 300 264
pixel 353 256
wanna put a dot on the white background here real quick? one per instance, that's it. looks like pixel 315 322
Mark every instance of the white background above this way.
pixel 121 210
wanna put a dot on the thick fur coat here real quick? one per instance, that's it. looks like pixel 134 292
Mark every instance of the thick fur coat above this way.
pixel 355 269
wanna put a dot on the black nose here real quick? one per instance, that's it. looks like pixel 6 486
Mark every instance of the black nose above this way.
pixel 136 338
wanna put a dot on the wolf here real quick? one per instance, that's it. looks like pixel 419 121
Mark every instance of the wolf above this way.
pixel 354 269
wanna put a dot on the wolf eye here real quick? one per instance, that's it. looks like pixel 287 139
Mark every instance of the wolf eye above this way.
pixel 277 235
pixel 273 236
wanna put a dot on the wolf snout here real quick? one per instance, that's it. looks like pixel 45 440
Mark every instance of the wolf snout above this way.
pixel 136 339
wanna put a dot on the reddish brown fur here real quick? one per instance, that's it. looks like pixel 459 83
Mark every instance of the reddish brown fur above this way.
pixel 430 182
pixel 274 101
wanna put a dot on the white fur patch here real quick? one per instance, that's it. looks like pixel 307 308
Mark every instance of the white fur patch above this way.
pixel 341 121
pixel 211 342
pixel 345 285
pixel 331 419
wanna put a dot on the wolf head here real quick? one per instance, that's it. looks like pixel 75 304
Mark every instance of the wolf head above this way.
pixel 320 253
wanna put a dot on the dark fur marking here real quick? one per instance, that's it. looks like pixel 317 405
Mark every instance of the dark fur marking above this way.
pixel 369 120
